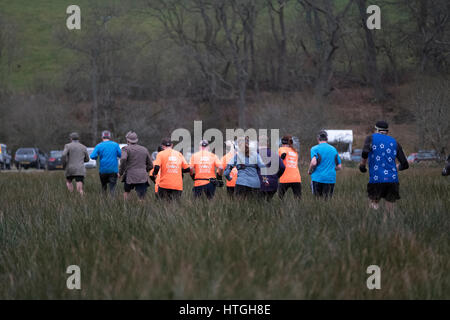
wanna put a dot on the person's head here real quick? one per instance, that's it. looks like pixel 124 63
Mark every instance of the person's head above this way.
pixel 166 143
pixel 382 127
pixel 204 145
pixel 322 136
pixel 243 144
pixel 287 141
pixel 132 137
pixel 230 145
pixel 74 136
pixel 106 135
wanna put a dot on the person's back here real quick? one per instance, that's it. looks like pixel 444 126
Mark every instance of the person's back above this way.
pixel 171 163
pixel 108 152
pixel 269 183
pixel 137 163
pixel 248 169
pixel 205 164
pixel 327 159
pixel 291 173
pixel 382 166
pixel 74 156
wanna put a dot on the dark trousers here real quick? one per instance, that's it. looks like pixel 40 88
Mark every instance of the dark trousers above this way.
pixel 267 195
pixel 296 189
pixel 245 192
pixel 322 190
pixel 208 189
pixel 169 194
pixel 230 191
pixel 108 179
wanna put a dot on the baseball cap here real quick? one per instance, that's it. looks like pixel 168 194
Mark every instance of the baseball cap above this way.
pixel 74 136
pixel 322 135
pixel 166 142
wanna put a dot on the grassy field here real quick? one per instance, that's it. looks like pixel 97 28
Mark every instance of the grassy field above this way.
pixel 222 249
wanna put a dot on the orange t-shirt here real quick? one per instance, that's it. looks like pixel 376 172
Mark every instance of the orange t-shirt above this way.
pixel 292 173
pixel 205 164
pixel 233 174
pixel 171 163
pixel 158 177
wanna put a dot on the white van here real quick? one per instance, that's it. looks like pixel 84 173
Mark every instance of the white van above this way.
pixel 342 140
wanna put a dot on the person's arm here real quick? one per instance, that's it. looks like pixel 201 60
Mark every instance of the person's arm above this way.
pixel 230 166
pixel 118 151
pixel 261 164
pixel 185 166
pixel 281 167
pixel 64 156
pixel 403 165
pixel 94 154
pixel 156 165
pixel 338 162
pixel 365 154
pixel 148 162
pixel 123 161
pixel 312 165
pixel 86 155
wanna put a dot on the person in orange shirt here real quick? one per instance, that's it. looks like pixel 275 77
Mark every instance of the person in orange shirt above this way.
pixel 291 178
pixel 204 165
pixel 225 159
pixel 171 165
pixel 158 176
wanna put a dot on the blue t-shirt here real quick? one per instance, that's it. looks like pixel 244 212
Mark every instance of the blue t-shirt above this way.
pixel 327 158
pixel 382 166
pixel 109 153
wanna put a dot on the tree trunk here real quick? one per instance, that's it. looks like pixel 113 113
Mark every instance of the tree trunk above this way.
pixel 94 83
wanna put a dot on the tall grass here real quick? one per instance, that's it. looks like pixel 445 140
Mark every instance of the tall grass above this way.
pixel 223 249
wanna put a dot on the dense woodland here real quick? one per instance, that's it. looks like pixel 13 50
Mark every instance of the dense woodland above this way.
pixel 154 66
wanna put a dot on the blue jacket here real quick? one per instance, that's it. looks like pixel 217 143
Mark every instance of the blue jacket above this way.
pixel 248 170
pixel 270 182
pixel 109 153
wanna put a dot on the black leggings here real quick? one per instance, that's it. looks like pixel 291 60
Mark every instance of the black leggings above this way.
pixel 296 189
pixel 245 192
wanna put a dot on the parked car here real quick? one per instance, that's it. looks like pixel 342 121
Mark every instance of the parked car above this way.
pixel 5 157
pixel 54 162
pixel 356 155
pixel 412 158
pixel 92 163
pixel 424 155
pixel 30 158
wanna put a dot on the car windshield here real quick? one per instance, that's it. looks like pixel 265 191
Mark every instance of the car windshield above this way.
pixel 56 154
pixel 25 151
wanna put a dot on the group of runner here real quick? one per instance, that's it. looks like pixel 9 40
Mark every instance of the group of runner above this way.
pixel 246 167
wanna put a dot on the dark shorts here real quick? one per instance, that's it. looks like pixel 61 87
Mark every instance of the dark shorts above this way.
pixel 169 194
pixel 208 189
pixel 141 188
pixel 387 191
pixel 230 191
pixel 76 178
pixel 323 190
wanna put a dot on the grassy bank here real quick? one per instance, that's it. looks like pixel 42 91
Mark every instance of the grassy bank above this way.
pixel 222 249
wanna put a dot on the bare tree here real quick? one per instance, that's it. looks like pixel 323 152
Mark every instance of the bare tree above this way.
pixel 431 99
pixel 324 23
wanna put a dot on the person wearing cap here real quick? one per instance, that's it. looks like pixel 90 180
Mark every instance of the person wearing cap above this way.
pixel 135 164
pixel 380 151
pixel 291 178
pixel 269 182
pixel 325 161
pixel 158 176
pixel 204 166
pixel 73 158
pixel 171 165
pixel 108 152
pixel 248 163
pixel 230 145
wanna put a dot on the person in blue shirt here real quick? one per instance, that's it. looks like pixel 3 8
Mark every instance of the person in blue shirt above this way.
pixel 380 151
pixel 248 163
pixel 108 152
pixel 325 161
